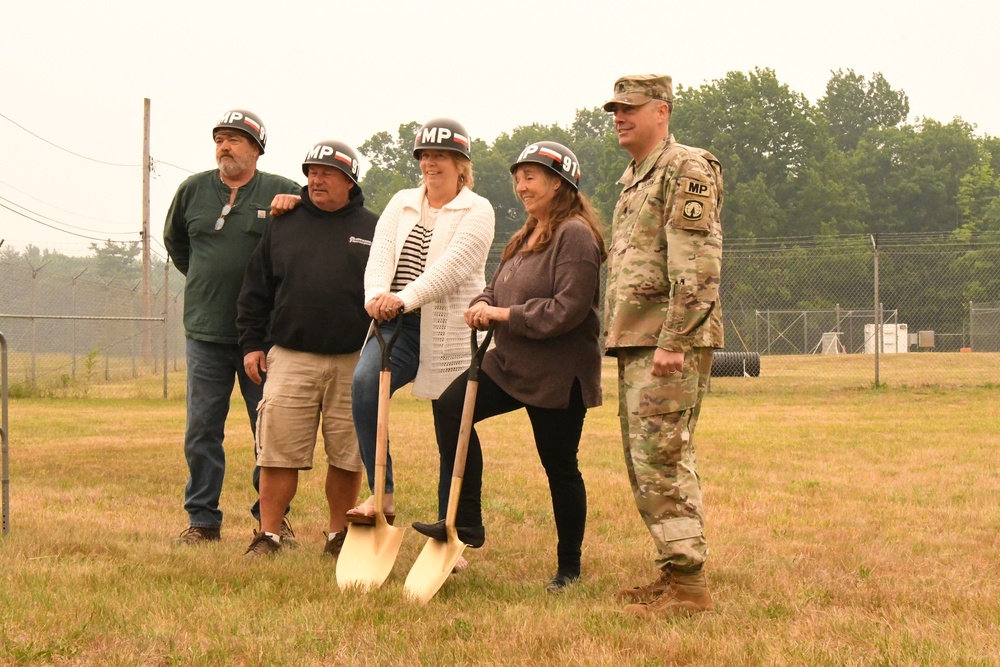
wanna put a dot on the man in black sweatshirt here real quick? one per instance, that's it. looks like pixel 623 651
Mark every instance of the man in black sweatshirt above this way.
pixel 305 286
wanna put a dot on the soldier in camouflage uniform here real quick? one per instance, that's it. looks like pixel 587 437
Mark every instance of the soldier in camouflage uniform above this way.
pixel 662 318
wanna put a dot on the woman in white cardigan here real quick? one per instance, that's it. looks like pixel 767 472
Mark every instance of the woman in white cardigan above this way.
pixel 427 262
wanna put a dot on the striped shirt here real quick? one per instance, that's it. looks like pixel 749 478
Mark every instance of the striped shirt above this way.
pixel 413 256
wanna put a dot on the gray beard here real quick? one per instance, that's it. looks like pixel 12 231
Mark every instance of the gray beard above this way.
pixel 230 167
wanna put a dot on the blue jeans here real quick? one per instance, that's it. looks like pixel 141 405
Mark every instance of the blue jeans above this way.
pixel 212 369
pixel 404 359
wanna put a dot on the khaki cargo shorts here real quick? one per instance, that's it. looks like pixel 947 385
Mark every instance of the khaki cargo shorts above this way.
pixel 304 390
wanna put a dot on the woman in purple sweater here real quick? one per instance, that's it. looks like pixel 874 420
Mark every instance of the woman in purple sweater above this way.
pixel 544 301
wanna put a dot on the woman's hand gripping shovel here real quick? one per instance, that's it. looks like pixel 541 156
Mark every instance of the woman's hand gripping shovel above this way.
pixel 369 552
pixel 437 559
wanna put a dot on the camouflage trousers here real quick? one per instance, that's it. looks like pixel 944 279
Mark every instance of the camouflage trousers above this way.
pixel 658 417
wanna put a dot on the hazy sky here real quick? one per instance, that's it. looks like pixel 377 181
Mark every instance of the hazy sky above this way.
pixel 76 74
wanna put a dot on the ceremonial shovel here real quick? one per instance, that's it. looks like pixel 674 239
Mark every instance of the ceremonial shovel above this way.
pixel 369 552
pixel 437 559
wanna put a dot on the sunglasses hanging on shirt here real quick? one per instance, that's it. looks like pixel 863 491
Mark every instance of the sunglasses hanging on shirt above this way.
pixel 222 217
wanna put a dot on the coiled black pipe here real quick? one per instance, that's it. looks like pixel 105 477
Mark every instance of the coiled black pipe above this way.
pixel 735 364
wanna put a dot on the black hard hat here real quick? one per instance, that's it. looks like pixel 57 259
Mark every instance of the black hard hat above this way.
pixel 443 134
pixel 332 153
pixel 245 121
pixel 553 155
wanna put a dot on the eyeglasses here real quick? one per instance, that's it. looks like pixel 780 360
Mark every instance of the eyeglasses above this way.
pixel 513 267
pixel 222 216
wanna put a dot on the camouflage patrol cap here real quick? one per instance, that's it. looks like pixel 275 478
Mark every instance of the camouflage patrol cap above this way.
pixel 637 89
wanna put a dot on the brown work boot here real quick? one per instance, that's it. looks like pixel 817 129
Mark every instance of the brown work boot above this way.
pixel 198 535
pixel 334 543
pixel 288 539
pixel 687 594
pixel 649 592
pixel 261 546
pixel 287 534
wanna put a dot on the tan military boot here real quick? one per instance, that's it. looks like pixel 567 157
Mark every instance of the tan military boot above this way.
pixel 687 594
pixel 649 592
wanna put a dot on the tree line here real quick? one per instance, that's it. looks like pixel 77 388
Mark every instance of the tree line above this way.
pixel 848 164
pixel 807 186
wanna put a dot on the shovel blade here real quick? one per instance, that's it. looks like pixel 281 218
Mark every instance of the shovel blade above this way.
pixel 368 555
pixel 436 561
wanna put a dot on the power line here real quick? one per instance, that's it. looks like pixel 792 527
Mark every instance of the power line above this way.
pixel 159 243
pixel 51 143
pixel 82 236
pixel 82 229
pixel 64 210
pixel 156 162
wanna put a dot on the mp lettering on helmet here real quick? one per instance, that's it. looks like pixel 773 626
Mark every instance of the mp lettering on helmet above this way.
pixel 320 151
pixel 436 135
pixel 236 118
pixel 529 150
pixel 439 135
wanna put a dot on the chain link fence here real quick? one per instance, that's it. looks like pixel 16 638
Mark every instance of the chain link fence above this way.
pixel 86 336
pixel 863 311
pixel 846 311
pixel 904 309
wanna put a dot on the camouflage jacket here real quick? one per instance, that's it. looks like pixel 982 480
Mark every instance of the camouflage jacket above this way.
pixel 665 259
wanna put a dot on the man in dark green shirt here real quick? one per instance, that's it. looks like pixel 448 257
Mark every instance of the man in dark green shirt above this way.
pixel 214 224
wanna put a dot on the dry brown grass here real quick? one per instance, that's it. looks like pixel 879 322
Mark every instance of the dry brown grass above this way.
pixel 848 526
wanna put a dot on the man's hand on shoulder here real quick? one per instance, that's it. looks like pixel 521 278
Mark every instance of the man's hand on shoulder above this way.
pixel 284 203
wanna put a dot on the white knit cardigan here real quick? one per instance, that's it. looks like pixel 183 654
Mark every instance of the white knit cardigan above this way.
pixel 453 276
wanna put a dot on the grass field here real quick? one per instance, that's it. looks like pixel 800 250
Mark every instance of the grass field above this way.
pixel 848 526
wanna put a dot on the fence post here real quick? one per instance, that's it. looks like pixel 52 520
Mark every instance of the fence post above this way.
pixel 177 317
pixel 107 339
pixel 4 432
pixel 33 352
pixel 150 355
pixel 805 331
pixel 131 347
pixel 166 321
pixel 971 331
pixel 132 336
pixel 756 331
pixel 72 305
pixel 769 332
pixel 878 310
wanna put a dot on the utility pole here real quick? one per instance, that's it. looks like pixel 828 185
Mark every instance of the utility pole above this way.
pixel 147 292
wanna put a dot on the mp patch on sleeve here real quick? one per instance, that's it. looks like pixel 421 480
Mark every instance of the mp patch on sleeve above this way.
pixel 693 210
pixel 694 202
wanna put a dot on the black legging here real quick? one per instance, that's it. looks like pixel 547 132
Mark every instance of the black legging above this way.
pixel 557 439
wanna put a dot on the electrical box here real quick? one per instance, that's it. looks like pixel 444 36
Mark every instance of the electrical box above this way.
pixel 895 339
